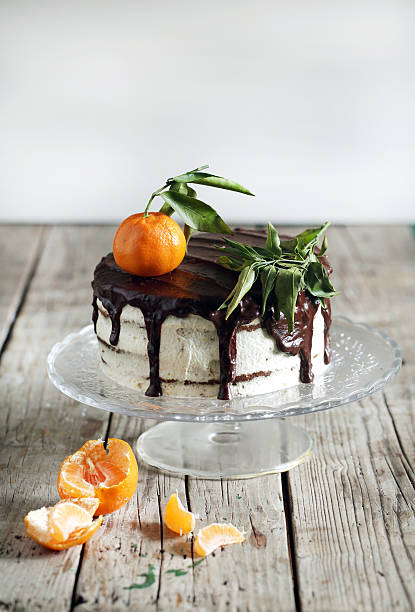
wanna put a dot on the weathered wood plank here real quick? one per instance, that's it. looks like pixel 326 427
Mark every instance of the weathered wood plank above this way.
pixel 353 504
pixel 20 247
pixel 39 425
pixel 134 539
pixel 394 279
pixel 255 575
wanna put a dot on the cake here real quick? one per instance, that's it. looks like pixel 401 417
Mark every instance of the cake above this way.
pixel 166 335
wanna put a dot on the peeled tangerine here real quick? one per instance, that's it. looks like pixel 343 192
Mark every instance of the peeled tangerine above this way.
pixel 215 535
pixel 177 518
pixel 109 476
pixel 66 524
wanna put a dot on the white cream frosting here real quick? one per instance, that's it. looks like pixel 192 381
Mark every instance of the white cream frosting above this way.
pixel 189 351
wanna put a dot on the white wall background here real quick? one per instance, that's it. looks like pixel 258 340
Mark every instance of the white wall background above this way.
pixel 310 103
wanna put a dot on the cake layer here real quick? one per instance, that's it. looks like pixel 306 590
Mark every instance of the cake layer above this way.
pixel 189 349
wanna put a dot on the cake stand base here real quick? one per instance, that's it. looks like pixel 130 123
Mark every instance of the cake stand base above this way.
pixel 221 450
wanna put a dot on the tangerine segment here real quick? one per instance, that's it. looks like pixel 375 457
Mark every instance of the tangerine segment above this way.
pixel 110 476
pixel 215 535
pixel 177 518
pixel 66 524
pixel 149 245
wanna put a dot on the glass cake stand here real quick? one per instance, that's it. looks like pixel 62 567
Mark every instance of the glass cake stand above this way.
pixel 239 438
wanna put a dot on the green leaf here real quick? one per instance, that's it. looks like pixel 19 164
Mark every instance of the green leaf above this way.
pixel 317 281
pixel 195 213
pixel 149 579
pixel 188 233
pixel 311 235
pixel 203 178
pixel 283 266
pixel 238 259
pixel 166 209
pixel 226 302
pixel 323 247
pixel 308 239
pixel 232 263
pixel 246 279
pixel 243 249
pixel 273 241
pixel 287 287
pixel 183 188
pixel 268 276
pixel 264 254
pixel 290 245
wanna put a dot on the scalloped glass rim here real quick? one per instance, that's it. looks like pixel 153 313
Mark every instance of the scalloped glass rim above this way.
pixel 364 360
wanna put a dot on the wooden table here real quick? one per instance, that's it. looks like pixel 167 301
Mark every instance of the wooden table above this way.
pixel 337 533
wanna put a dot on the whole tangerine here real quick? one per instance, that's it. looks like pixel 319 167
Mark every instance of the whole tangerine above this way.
pixel 149 245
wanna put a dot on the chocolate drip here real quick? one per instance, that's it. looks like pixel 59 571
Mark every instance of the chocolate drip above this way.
pixel 227 350
pixel 154 322
pixel 326 312
pixel 226 330
pixel 114 308
pixel 299 341
pixel 94 313
pixel 199 286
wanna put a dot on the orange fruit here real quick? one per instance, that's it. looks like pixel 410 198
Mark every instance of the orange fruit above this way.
pixel 217 534
pixel 177 518
pixel 66 524
pixel 110 476
pixel 149 246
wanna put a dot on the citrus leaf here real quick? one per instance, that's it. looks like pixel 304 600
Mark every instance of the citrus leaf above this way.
pixel 268 276
pixel 287 287
pixel 203 178
pixel 317 281
pixel 232 263
pixel 307 240
pixel 226 302
pixel 289 245
pixel 264 254
pixel 283 266
pixel 323 247
pixel 195 213
pixel 243 249
pixel 246 279
pixel 183 188
pixel 273 241
pixel 166 209
pixel 188 233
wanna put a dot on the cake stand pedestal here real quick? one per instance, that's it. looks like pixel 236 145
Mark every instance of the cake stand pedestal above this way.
pixel 242 437
pixel 220 450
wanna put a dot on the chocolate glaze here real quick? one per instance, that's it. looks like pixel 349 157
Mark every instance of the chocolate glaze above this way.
pixel 199 286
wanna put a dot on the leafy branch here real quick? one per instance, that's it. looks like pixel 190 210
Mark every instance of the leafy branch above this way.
pixel 283 267
pixel 179 197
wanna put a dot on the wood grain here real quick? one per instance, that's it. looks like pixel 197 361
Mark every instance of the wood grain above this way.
pixel 135 539
pixel 20 248
pixel 39 425
pixel 255 575
pixel 354 503
pixel 337 533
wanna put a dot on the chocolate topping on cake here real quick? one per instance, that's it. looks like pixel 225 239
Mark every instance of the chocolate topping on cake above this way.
pixel 199 286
